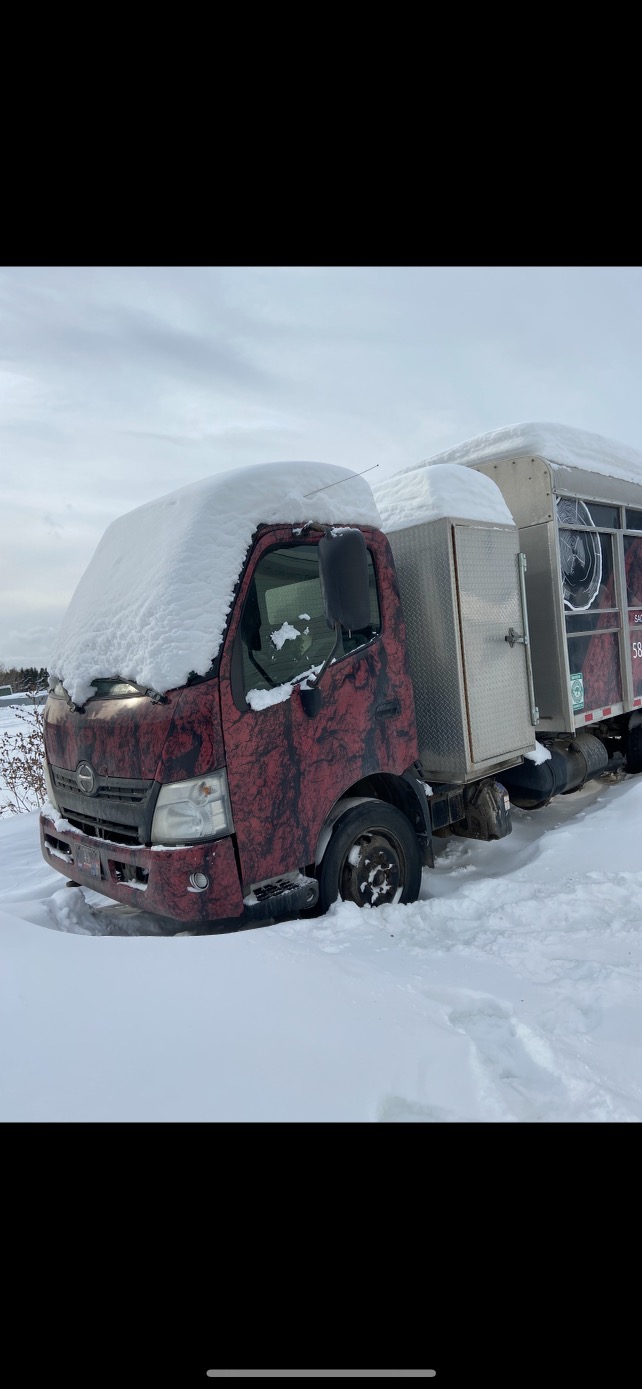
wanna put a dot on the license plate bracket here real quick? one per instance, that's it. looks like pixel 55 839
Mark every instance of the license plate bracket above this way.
pixel 88 861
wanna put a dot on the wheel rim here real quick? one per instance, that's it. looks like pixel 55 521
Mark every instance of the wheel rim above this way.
pixel 373 870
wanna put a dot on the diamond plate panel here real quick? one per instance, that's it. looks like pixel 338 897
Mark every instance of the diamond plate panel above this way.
pixel 495 673
pixel 426 574
pixel 464 726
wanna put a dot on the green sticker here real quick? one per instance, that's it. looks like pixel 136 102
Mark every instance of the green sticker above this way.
pixel 577 691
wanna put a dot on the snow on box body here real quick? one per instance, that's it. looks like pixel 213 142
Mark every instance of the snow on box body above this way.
pixel 152 605
pixel 456 546
pixel 584 590
pixel 421 494
pixel 563 445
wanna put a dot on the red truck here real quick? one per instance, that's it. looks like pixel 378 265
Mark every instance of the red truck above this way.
pixel 257 708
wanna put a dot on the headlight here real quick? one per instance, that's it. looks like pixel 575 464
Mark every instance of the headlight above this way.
pixel 191 810
pixel 51 797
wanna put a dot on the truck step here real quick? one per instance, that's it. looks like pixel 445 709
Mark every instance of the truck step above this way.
pixel 278 896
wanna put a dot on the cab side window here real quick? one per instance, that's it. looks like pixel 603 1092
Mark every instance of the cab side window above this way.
pixel 284 633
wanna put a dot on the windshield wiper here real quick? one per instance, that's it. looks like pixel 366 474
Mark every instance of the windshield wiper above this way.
pixel 118 688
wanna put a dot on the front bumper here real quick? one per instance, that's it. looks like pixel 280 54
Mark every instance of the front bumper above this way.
pixel 163 884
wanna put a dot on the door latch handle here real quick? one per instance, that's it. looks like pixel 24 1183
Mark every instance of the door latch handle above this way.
pixel 390 709
pixel 514 637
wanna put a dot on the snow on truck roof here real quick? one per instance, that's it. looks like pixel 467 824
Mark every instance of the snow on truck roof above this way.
pixel 560 444
pixel 153 602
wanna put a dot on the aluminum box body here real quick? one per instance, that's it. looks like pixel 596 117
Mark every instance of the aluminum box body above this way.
pixel 459 585
pixel 587 662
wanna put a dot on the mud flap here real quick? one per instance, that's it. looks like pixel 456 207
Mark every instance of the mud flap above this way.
pixel 487 812
pixel 634 749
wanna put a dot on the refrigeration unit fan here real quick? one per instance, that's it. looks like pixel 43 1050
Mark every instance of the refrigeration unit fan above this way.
pixel 580 555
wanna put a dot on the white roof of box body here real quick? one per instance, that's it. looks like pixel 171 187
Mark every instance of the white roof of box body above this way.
pixel 427 493
pixel 152 605
pixel 558 443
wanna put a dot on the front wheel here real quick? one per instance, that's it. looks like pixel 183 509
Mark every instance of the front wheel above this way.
pixel 372 859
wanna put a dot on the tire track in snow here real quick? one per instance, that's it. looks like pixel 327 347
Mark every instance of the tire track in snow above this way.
pixel 520 1076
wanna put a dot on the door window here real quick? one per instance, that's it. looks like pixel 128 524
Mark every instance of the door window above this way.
pixel 284 633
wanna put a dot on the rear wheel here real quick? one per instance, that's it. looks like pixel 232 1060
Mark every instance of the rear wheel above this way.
pixel 372 859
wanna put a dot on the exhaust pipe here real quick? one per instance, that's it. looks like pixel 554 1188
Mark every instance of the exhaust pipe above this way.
pixel 532 785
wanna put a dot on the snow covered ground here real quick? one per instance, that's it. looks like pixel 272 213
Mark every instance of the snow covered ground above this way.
pixel 511 992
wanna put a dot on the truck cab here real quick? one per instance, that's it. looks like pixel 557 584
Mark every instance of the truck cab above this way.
pixel 207 801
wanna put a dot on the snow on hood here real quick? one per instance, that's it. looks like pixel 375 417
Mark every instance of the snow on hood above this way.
pixel 426 493
pixel 152 605
pixel 559 443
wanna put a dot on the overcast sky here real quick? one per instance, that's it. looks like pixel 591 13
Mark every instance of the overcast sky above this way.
pixel 119 384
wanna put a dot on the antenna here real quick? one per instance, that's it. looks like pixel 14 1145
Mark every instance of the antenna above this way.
pixel 340 479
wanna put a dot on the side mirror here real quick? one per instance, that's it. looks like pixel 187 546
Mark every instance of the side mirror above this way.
pixel 343 570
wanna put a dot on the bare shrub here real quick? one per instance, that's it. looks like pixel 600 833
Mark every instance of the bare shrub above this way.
pixel 21 762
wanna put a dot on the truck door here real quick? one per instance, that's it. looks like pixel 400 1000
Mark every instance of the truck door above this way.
pixel 286 769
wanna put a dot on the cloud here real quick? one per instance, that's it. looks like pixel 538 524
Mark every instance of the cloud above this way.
pixel 119 384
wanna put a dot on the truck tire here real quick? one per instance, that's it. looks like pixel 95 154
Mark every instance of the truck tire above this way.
pixel 372 859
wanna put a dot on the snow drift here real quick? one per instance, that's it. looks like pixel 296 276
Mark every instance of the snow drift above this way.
pixel 510 993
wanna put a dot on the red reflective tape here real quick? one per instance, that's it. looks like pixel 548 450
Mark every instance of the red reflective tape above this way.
pixel 588 718
pixel 606 711
pixel 637 701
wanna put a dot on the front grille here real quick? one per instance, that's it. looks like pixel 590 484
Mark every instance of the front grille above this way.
pixel 120 808
pixel 124 791
pixel 128 790
pixel 103 829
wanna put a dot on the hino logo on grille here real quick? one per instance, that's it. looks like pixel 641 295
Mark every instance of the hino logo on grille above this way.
pixel 86 778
